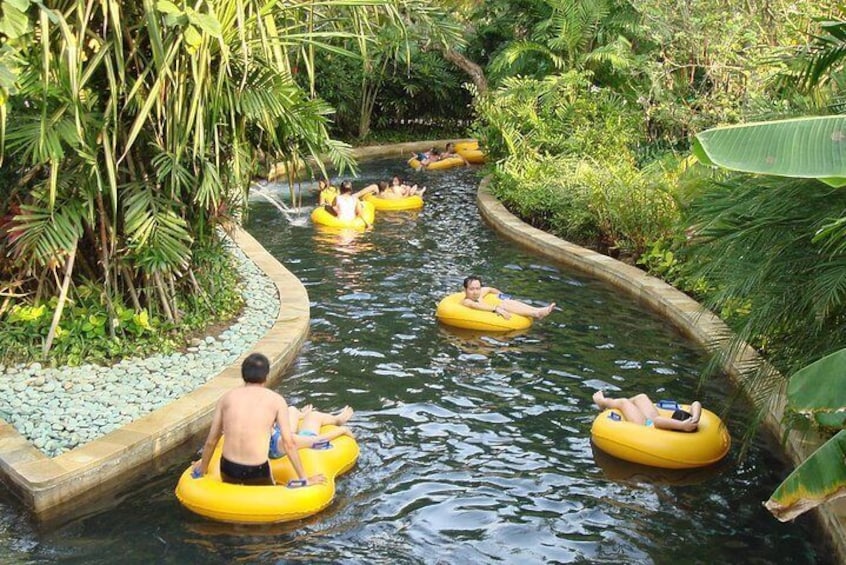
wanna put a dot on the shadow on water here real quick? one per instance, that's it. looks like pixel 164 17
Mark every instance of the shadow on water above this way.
pixel 474 448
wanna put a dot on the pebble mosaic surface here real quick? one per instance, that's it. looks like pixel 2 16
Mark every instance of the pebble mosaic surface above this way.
pixel 59 408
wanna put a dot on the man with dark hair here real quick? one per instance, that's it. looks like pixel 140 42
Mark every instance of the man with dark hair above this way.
pixel 246 416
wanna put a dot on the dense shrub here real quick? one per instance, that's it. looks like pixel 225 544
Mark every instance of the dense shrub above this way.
pixel 571 167
pixel 83 335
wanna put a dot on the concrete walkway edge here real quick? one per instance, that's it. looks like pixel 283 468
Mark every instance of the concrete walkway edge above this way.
pixel 691 318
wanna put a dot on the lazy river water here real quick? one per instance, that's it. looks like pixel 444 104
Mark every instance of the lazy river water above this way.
pixel 474 448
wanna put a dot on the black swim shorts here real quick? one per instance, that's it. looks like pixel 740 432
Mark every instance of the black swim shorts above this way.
pixel 253 475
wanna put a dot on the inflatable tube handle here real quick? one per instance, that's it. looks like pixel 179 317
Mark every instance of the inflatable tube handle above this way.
pixel 196 474
pixel 668 404
pixel 614 416
pixel 323 444
pixel 297 483
pixel 273 452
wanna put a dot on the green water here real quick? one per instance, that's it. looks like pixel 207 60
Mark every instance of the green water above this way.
pixel 474 448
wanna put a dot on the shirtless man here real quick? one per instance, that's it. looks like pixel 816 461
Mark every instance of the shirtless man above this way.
pixel 245 416
pixel 639 409
pixel 474 292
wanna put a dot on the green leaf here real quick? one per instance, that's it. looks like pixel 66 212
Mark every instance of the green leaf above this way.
pixel 819 390
pixel 206 22
pixel 192 36
pixel 166 7
pixel 22 5
pixel 14 23
pixel 811 147
pixel 820 478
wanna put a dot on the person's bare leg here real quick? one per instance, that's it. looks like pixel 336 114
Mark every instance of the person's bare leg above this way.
pixel 523 309
pixel 628 408
pixel 315 419
pixel 294 416
pixel 645 405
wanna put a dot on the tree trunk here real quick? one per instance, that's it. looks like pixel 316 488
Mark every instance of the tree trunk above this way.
pixel 368 100
pixel 163 299
pixel 63 296
pixel 127 276
pixel 477 75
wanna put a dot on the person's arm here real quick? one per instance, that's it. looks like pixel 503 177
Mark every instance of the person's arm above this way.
pixel 309 441
pixel 485 307
pixel 287 439
pixel 369 189
pixel 201 467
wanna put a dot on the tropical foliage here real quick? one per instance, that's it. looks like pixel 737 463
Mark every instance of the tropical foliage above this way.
pixel 132 130
pixel 817 394
pixel 402 80
pixel 777 245
pixel 571 163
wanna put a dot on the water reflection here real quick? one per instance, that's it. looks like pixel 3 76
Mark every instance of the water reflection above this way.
pixel 345 241
pixel 624 471
pixel 474 342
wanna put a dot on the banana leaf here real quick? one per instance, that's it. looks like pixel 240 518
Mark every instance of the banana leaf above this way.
pixel 820 478
pixel 810 147
pixel 818 391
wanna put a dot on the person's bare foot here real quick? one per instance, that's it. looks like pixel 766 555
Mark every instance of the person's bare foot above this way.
pixel 344 415
pixel 545 311
pixel 599 398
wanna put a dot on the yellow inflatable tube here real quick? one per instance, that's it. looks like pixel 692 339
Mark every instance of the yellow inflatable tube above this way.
pixel 386 204
pixel 447 163
pixel 323 217
pixel 452 312
pixel 669 449
pixel 210 497
pixel 474 156
pixel 466 146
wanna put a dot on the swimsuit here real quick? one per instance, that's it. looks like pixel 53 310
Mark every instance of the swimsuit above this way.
pixel 253 475
pixel 346 207
pixel 307 433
